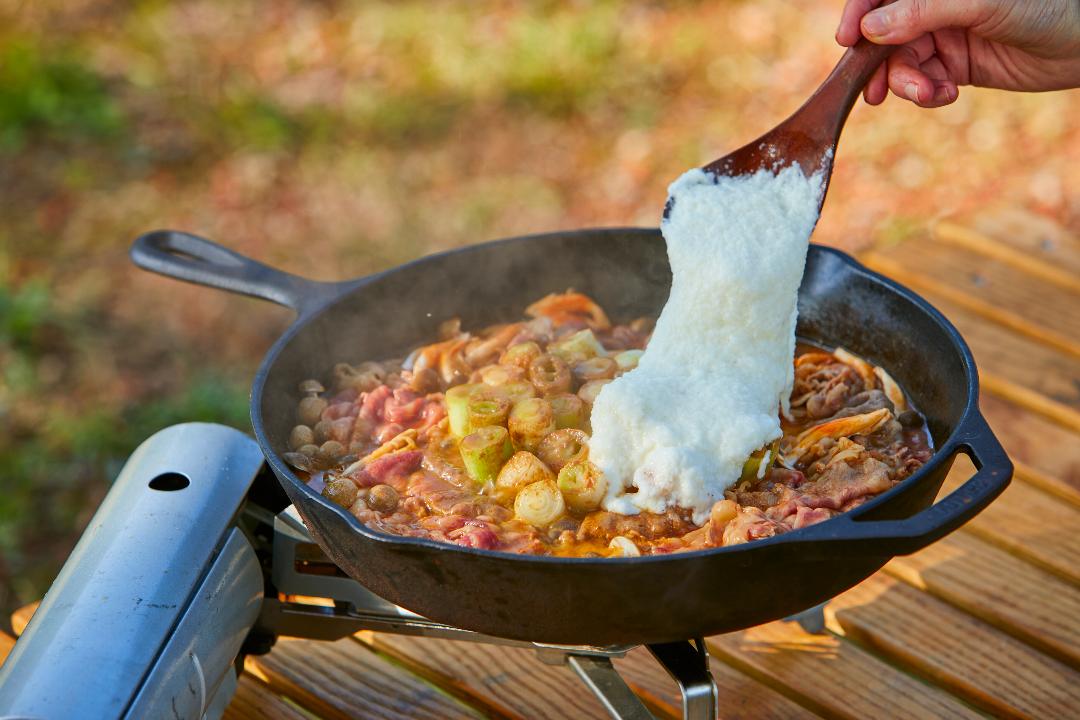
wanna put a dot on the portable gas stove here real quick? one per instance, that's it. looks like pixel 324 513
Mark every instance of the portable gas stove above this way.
pixel 193 561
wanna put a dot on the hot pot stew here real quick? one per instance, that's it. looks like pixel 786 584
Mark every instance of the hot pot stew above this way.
pixel 481 439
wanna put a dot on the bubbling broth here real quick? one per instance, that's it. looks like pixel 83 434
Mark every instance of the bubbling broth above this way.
pixel 481 439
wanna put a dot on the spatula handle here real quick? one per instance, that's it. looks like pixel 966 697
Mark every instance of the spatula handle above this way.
pixel 830 105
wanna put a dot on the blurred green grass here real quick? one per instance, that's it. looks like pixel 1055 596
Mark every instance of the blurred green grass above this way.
pixel 341 137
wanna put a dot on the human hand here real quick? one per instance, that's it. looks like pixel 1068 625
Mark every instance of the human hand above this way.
pixel 1026 45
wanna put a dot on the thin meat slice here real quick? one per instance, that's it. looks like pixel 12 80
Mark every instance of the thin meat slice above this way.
pixel 751 524
pixel 844 480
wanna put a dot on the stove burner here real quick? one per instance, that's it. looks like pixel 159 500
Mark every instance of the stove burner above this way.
pixel 301 569
pixel 193 561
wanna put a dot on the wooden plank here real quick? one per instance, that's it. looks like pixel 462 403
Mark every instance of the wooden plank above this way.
pixel 6 644
pixel 1020 258
pixel 1027 523
pixel 1015 358
pixel 344 679
pixel 989 287
pixel 21 617
pixel 255 701
pixel 1032 439
pixel 832 676
pixel 508 681
pixel 1016 367
pixel 738 695
pixel 515 683
pixel 1030 233
pixel 1004 591
pixel 1065 416
pixel 953 649
pixel 1051 485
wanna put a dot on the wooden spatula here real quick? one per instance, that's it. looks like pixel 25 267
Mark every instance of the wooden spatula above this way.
pixel 810 135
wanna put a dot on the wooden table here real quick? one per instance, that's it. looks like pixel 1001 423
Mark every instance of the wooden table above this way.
pixel 985 622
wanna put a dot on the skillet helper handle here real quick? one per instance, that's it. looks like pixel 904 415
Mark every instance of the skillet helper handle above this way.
pixel 902 537
pixel 197 260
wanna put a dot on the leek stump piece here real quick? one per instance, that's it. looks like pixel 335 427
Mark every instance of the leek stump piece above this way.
pixel 627 360
pixel 550 374
pixel 622 546
pixel 484 453
pixel 487 408
pixel 530 422
pixel 582 485
pixel 517 391
pixel 575 348
pixel 540 504
pixel 457 408
pixel 590 390
pixel 501 374
pixel 521 355
pixel 570 411
pixel 597 368
pixel 522 469
pixel 562 447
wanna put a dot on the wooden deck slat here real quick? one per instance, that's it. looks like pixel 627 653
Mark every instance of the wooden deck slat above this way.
pixel 512 682
pixel 1025 371
pixel 255 701
pixel 1023 259
pixel 1028 523
pixel 1002 590
pixel 738 695
pixel 1030 233
pixel 345 680
pixel 952 649
pixel 1033 440
pixel 1048 484
pixel 832 676
pixel 985 285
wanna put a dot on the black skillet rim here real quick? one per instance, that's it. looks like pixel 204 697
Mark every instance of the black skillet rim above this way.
pixel 947 449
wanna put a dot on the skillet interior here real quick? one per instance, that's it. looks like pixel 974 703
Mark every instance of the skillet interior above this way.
pixel 590 602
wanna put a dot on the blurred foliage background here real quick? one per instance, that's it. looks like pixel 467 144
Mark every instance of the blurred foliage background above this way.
pixel 340 137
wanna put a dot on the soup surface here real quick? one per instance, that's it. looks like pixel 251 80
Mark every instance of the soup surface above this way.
pixel 481 439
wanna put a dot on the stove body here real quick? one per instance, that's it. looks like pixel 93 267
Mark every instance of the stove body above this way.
pixel 195 560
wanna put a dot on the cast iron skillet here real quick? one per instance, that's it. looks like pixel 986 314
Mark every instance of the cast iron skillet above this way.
pixel 592 600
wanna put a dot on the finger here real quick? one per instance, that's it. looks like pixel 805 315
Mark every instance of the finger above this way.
pixel 877 89
pixel 906 79
pixel 945 93
pixel 848 33
pixel 924 47
pixel 934 69
pixel 945 86
pixel 906 20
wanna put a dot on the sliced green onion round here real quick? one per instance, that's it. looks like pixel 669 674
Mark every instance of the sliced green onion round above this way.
pixel 539 504
pixel 583 486
pixel 484 453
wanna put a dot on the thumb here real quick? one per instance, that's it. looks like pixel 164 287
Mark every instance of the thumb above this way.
pixel 905 20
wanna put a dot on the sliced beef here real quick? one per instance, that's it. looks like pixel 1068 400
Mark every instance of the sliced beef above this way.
pixel 844 480
pixel 864 402
pixel 751 524
pixel 647 526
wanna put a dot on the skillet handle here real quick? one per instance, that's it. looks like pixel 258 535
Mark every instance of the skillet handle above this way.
pixel 902 537
pixel 197 260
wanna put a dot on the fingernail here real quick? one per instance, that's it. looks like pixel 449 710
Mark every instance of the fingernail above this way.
pixel 875 24
pixel 912 91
